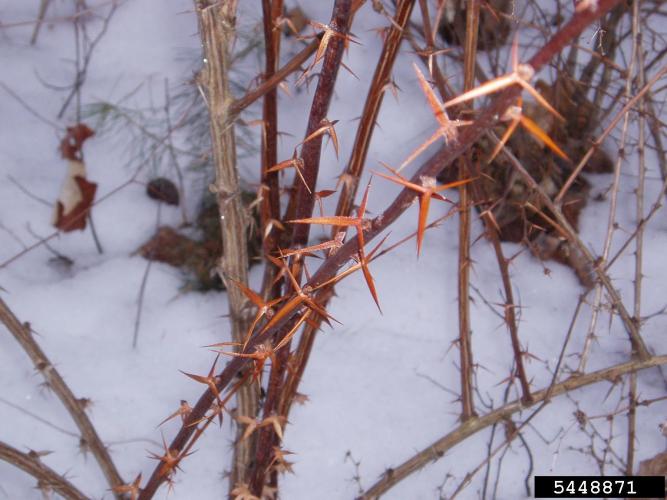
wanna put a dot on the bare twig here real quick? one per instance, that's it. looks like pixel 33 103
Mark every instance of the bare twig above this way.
pixel 30 109
pixel 39 419
pixel 140 303
pixel 172 153
pixel 272 82
pixel 43 6
pixel 639 242
pixel 68 18
pixel 82 66
pixel 638 346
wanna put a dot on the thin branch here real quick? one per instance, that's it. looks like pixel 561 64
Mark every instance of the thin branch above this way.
pixel 638 346
pixel 82 69
pixel 270 182
pixel 43 6
pixel 465 261
pixel 30 109
pixel 40 419
pixel 639 242
pixel 68 18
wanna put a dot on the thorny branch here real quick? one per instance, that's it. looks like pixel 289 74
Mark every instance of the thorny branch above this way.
pixel 349 179
pixel 89 436
pixel 331 265
pixel 465 217
pixel 303 195
pixel 472 426
pixel 47 479
pixel 218 32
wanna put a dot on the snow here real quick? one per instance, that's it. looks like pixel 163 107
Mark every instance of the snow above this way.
pixel 380 387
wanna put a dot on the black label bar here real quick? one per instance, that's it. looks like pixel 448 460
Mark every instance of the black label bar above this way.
pixel 599 487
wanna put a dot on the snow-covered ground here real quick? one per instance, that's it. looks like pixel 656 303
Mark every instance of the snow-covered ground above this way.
pixel 380 387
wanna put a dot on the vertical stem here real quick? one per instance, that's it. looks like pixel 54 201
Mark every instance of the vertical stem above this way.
pixel 43 6
pixel 637 314
pixel 632 325
pixel 372 105
pixel 218 31
pixel 480 196
pixel 172 153
pixel 304 200
pixel 270 188
pixel 465 347
pixel 310 152
pixel 381 79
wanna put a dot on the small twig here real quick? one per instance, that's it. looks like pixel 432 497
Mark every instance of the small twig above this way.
pixel 40 419
pixel 13 235
pixel 140 302
pixel 27 192
pixel 172 153
pixel 93 231
pixel 487 473
pixel 82 69
pixel 30 109
pixel 639 241
pixel 55 252
pixel 272 82
pixel 357 473
pixel 43 6
pixel 68 18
